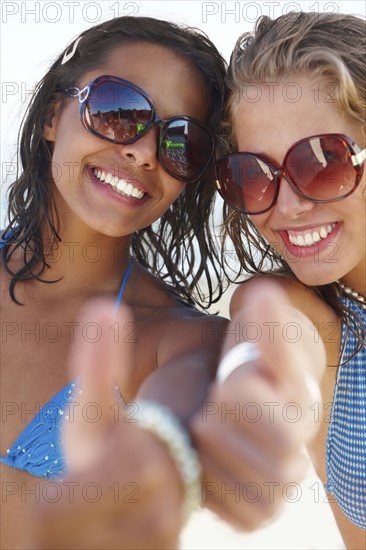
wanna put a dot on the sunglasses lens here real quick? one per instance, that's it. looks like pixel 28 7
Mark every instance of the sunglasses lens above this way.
pixel 185 149
pixel 321 168
pixel 117 112
pixel 246 183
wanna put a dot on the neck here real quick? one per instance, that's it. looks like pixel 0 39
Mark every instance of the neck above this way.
pixel 100 263
pixel 84 263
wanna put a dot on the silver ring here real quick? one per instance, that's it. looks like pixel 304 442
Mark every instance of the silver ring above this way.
pixel 234 358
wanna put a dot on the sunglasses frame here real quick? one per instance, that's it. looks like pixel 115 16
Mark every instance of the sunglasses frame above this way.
pixel 85 94
pixel 358 156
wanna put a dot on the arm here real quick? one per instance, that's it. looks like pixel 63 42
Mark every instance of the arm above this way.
pixel 245 431
pixel 227 449
pixel 188 355
pixel 238 454
pixel 136 492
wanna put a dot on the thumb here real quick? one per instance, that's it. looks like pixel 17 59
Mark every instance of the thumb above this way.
pixel 101 359
pixel 284 336
pixel 290 359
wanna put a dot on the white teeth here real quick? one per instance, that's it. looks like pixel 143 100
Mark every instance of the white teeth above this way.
pixel 308 239
pixel 129 189
pixel 119 185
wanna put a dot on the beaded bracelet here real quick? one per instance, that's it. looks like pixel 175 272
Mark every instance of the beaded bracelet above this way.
pixel 160 420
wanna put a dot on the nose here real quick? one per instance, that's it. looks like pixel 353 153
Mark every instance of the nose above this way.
pixel 143 153
pixel 289 204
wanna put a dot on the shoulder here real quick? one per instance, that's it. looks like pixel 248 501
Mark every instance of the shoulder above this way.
pixel 168 327
pixel 323 320
pixel 183 330
pixel 300 296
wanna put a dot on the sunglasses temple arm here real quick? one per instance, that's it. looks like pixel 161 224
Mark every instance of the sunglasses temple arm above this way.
pixel 74 91
pixel 359 158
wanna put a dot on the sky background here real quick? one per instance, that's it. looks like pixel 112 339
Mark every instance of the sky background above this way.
pixel 34 33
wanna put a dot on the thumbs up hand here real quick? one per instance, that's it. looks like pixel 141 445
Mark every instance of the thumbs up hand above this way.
pixel 127 492
pixel 249 432
pixel 251 429
pixel 101 365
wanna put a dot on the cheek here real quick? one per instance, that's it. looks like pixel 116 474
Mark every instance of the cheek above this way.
pixel 260 222
pixel 68 166
pixel 64 166
pixel 363 192
pixel 173 189
pixel 57 163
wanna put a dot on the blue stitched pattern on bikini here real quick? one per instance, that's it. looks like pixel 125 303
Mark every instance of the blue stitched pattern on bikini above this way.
pixel 346 442
pixel 38 449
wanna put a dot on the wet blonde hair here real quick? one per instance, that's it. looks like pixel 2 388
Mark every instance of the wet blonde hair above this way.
pixel 320 46
pixel 329 47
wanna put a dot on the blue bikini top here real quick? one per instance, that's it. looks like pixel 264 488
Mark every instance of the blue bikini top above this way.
pixel 38 449
pixel 346 441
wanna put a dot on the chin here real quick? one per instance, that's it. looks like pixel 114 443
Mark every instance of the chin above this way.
pixel 316 278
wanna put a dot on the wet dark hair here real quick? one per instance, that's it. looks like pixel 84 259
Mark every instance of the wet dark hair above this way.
pixel 318 45
pixel 180 247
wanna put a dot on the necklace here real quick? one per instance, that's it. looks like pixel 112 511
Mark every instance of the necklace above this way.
pixel 350 293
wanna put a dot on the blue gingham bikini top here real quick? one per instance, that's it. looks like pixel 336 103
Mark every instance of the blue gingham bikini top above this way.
pixel 38 449
pixel 346 442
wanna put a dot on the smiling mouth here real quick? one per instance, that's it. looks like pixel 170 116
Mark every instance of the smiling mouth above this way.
pixel 309 237
pixel 122 186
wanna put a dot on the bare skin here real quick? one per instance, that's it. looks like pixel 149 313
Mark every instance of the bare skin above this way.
pixel 325 319
pixel 232 453
pixel 258 130
pixel 256 430
pixel 171 338
pixel 93 221
pixel 44 374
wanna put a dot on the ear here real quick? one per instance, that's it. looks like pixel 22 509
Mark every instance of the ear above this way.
pixel 51 119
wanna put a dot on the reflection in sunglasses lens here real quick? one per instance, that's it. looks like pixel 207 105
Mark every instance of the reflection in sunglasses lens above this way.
pixel 117 112
pixel 185 148
pixel 318 169
pixel 327 171
pixel 175 148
